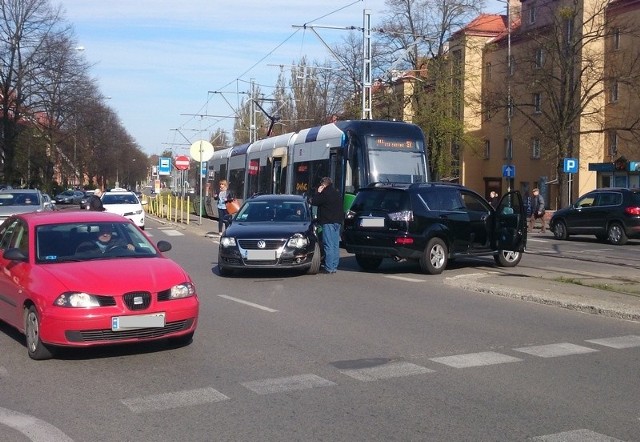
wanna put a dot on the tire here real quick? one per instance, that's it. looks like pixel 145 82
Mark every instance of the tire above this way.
pixel 560 230
pixel 368 263
pixel 435 257
pixel 315 261
pixel 616 234
pixel 223 271
pixel 507 258
pixel 35 347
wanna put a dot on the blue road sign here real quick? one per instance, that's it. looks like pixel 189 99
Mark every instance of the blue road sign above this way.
pixel 508 171
pixel 570 165
pixel 164 166
pixel 203 170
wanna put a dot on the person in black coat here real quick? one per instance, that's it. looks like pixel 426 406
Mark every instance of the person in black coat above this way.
pixel 330 217
pixel 94 202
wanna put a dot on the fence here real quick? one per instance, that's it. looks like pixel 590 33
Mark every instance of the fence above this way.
pixel 173 208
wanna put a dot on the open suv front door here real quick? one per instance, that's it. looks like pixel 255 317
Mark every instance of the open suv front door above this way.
pixel 510 225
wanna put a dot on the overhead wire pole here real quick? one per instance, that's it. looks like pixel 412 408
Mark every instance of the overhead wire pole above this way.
pixel 366 57
pixel 366 65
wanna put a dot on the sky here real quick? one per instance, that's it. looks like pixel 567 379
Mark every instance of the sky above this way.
pixel 159 62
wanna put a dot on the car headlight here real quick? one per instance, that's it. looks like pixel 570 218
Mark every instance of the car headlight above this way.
pixel 76 300
pixel 183 290
pixel 298 241
pixel 228 241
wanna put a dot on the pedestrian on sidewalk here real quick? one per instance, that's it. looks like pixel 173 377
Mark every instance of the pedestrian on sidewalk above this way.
pixel 537 211
pixel 330 216
pixel 222 197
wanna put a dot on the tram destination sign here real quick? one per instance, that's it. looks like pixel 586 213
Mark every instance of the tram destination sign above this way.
pixel 393 143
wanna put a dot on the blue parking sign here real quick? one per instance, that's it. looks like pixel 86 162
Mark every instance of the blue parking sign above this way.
pixel 570 165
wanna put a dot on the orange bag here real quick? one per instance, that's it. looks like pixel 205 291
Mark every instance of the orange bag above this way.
pixel 232 206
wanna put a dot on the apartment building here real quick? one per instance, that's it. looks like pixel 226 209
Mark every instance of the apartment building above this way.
pixel 552 92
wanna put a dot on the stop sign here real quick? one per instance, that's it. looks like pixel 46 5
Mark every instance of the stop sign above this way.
pixel 182 162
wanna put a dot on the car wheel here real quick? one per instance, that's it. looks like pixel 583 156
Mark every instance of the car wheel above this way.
pixel 36 349
pixel 368 263
pixel 224 271
pixel 315 261
pixel 507 258
pixel 560 230
pixel 616 234
pixel 435 257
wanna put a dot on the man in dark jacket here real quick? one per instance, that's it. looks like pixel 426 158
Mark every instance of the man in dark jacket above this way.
pixel 330 216
pixel 94 202
pixel 537 211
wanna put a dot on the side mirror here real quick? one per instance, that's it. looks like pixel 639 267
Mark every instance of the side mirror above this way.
pixel 227 220
pixel 164 246
pixel 15 255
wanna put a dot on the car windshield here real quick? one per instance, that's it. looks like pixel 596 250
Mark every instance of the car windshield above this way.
pixel 123 198
pixel 273 211
pixel 18 199
pixel 378 200
pixel 88 241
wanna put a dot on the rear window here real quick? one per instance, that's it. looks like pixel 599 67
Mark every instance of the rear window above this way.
pixel 635 198
pixel 386 200
pixel 610 199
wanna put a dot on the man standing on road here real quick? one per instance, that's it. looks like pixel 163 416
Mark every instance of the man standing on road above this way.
pixel 537 211
pixel 330 217
pixel 94 202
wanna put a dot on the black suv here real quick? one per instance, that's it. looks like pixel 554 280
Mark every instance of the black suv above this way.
pixel 432 223
pixel 611 214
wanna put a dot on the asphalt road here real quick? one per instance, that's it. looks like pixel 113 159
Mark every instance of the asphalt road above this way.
pixel 393 355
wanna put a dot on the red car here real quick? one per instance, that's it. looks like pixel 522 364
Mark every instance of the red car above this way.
pixel 78 279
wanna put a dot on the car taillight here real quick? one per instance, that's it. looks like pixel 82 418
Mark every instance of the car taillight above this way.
pixel 405 215
pixel 633 211
pixel 403 240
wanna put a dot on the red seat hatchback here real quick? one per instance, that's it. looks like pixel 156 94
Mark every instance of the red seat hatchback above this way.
pixel 78 279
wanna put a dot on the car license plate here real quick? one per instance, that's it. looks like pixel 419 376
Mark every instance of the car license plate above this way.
pixel 119 323
pixel 372 222
pixel 261 255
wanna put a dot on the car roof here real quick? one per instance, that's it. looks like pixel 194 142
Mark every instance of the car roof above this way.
pixel 70 216
pixel 407 186
pixel 30 191
pixel 279 197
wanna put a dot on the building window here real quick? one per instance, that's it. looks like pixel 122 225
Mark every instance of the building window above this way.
pixel 508 149
pixel 532 14
pixel 537 103
pixel 613 92
pixel 539 61
pixel 487 149
pixel 616 38
pixel 535 149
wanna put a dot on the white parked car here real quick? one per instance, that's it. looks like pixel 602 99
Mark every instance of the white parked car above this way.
pixel 124 203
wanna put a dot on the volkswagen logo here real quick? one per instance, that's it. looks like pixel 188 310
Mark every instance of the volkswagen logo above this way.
pixel 262 244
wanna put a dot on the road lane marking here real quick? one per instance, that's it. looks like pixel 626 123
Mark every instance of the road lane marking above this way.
pixel 172 232
pixel 576 436
pixel 403 278
pixel 178 399
pixel 35 429
pixel 386 371
pixel 619 342
pixel 555 350
pixel 291 383
pixel 250 304
pixel 475 359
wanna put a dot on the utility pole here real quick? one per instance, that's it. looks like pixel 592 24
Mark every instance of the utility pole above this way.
pixel 366 57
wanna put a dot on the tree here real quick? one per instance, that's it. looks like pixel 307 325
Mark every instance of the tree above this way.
pixel 416 33
pixel 27 27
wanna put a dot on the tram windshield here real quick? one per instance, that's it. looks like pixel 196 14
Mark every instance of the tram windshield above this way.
pixel 396 160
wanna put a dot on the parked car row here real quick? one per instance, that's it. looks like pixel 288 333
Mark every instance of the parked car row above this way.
pixel 15 201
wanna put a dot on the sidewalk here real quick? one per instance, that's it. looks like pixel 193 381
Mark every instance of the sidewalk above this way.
pixel 592 293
